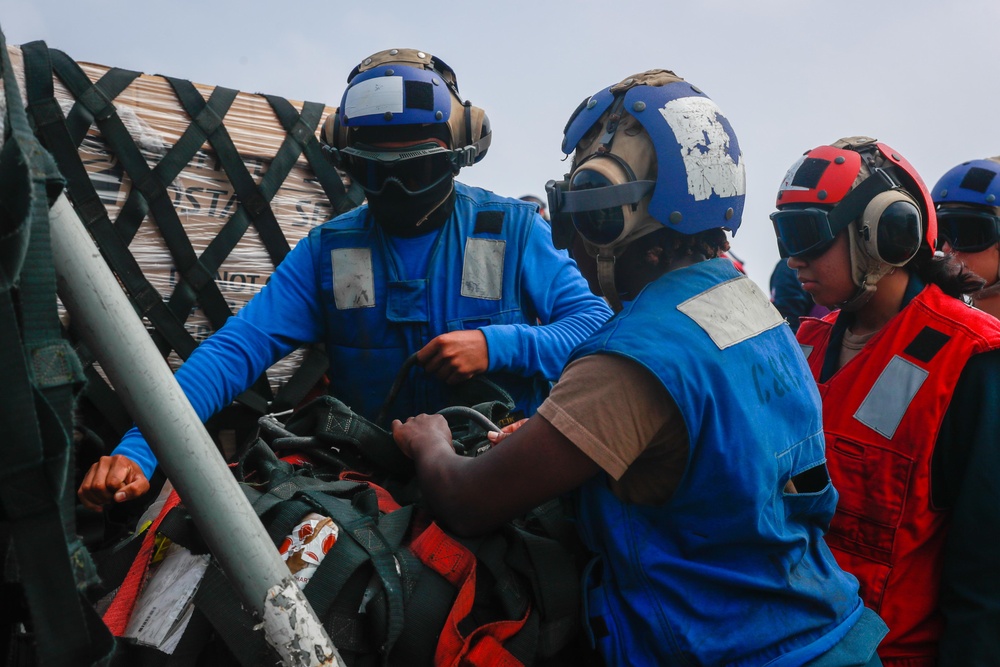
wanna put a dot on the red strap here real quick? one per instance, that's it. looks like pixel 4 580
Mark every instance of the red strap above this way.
pixel 386 503
pixel 484 645
pixel 118 614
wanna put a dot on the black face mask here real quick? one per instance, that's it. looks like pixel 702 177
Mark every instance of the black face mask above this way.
pixel 403 214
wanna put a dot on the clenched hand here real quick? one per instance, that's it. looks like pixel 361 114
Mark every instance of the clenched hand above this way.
pixel 455 356
pixel 113 478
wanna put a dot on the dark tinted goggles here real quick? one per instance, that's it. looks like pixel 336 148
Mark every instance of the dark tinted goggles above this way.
pixel 416 169
pixel 803 232
pixel 968 230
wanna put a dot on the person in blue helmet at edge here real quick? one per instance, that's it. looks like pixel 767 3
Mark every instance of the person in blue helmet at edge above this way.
pixel 687 428
pixel 466 280
pixel 967 199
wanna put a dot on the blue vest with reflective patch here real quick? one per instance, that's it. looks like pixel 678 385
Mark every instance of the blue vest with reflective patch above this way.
pixel 376 318
pixel 732 570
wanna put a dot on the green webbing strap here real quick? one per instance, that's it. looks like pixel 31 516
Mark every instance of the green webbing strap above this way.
pixel 253 200
pixel 149 192
pixel 50 125
pixel 314 366
pixel 303 130
pixel 100 394
pixel 426 607
pixel 217 600
pixel 364 531
pixel 509 592
pixel 152 183
pixel 552 574
pixel 39 373
pixel 107 88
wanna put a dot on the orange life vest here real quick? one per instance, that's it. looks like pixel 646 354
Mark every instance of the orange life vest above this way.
pixel 881 413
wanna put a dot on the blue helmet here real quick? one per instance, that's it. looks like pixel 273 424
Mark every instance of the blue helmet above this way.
pixel 968 203
pixel 973 182
pixel 400 89
pixel 683 139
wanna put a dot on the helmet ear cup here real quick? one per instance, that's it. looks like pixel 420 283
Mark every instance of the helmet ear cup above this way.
pixel 470 130
pixel 891 227
pixel 332 133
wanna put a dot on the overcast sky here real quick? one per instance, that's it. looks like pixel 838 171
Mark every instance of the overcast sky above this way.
pixel 922 76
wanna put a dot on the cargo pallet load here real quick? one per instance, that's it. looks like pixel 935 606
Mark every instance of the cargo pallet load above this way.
pixel 138 213
pixel 182 187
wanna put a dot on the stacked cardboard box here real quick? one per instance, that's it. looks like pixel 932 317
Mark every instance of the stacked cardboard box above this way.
pixel 202 194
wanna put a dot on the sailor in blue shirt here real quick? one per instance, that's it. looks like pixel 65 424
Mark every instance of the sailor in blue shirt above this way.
pixel 467 280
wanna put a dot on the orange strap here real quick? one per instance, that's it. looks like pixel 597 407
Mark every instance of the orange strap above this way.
pixel 117 615
pixel 484 645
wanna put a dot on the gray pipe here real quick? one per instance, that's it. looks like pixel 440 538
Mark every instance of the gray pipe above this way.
pixel 114 333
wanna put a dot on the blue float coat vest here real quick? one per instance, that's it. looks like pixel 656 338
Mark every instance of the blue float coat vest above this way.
pixel 376 317
pixel 732 570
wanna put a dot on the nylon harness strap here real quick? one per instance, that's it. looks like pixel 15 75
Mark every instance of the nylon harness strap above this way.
pixel 149 193
pixel 303 130
pixel 52 130
pixel 457 564
pixel 40 372
pixel 118 614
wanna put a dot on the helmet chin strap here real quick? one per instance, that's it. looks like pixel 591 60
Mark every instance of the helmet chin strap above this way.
pixel 866 271
pixel 606 278
pixel 860 298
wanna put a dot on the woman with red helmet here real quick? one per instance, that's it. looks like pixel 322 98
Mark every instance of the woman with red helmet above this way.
pixel 968 208
pixel 910 379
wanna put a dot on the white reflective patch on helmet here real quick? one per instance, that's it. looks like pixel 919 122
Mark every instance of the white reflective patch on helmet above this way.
pixel 353 278
pixel 732 312
pixel 374 97
pixel 705 146
pixel 786 182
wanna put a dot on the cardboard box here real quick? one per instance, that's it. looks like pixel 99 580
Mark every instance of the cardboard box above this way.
pixel 202 194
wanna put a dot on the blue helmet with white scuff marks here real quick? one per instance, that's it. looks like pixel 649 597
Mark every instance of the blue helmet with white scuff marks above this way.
pixel 689 177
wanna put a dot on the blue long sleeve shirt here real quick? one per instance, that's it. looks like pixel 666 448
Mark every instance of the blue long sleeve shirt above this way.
pixel 491 267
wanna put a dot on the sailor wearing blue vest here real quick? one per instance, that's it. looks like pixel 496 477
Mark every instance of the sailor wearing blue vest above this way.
pixel 468 281
pixel 687 426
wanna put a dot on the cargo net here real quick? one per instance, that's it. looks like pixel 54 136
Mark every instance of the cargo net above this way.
pixel 193 194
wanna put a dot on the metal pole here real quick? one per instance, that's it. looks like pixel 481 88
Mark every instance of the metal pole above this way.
pixel 114 333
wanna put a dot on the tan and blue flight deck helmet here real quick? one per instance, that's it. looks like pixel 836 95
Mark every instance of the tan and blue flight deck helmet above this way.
pixel 400 94
pixel 649 152
pixel 869 189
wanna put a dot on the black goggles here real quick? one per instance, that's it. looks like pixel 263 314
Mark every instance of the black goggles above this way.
pixel 968 230
pixel 804 232
pixel 595 205
pixel 416 169
pixel 808 231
